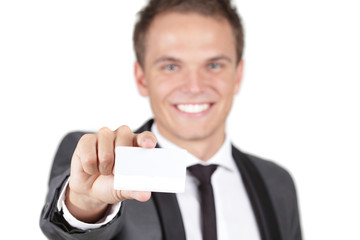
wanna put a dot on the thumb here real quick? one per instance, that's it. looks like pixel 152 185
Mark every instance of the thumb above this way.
pixel 141 196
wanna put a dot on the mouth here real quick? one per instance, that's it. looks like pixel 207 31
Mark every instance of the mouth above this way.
pixel 193 108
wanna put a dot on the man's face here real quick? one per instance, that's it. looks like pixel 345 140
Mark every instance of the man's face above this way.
pixel 190 74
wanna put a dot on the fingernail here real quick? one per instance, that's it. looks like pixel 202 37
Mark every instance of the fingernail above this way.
pixel 148 143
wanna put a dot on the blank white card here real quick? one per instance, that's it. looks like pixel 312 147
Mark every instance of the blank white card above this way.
pixel 156 170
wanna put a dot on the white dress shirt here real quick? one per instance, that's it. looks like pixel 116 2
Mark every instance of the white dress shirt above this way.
pixel 234 215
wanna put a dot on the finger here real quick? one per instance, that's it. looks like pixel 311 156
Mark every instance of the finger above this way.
pixel 145 139
pixel 141 196
pixel 124 137
pixel 86 151
pixel 105 150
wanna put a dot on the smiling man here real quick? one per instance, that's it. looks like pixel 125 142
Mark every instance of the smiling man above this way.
pixel 191 73
pixel 189 64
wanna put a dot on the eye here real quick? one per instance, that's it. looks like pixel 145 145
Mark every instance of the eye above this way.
pixel 171 67
pixel 214 66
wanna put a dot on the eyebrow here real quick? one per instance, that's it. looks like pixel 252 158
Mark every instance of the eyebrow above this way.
pixel 173 59
pixel 166 59
pixel 219 58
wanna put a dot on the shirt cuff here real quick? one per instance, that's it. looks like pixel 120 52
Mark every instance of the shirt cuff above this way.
pixel 110 214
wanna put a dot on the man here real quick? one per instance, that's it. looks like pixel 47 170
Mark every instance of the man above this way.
pixel 189 63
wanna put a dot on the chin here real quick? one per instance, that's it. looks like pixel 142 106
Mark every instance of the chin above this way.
pixel 192 133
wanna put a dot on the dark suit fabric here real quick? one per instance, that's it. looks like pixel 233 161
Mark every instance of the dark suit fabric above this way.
pixel 270 189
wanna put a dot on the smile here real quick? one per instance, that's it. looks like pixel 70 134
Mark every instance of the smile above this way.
pixel 193 108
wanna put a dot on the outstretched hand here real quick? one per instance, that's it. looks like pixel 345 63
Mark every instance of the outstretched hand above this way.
pixel 91 185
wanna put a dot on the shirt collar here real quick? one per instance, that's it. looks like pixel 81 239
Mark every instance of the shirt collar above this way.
pixel 223 157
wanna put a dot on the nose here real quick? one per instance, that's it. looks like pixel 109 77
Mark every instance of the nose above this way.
pixel 193 82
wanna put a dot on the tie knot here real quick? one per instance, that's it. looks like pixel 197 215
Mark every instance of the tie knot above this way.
pixel 202 173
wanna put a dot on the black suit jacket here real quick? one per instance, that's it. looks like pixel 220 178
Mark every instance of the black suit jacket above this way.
pixel 270 189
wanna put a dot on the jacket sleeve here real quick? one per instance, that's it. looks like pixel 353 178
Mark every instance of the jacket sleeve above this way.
pixel 52 223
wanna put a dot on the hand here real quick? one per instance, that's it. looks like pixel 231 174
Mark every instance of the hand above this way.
pixel 91 185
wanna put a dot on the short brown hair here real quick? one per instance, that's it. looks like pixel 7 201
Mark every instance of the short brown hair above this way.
pixel 212 8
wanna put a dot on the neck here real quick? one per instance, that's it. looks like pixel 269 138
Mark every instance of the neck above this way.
pixel 203 148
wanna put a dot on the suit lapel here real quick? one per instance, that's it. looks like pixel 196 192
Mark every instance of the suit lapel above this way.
pixel 146 126
pixel 170 216
pixel 167 206
pixel 259 197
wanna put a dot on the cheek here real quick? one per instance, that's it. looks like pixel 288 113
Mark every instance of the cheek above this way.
pixel 225 85
pixel 163 87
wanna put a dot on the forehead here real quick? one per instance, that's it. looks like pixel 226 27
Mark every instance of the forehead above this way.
pixel 184 33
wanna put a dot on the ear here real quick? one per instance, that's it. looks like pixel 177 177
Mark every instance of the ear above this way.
pixel 239 76
pixel 140 80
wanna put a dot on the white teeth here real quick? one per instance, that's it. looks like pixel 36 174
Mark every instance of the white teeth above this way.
pixel 193 108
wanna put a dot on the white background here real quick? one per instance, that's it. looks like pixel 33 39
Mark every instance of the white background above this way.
pixel 67 65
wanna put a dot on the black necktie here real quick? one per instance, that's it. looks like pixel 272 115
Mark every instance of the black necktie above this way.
pixel 208 214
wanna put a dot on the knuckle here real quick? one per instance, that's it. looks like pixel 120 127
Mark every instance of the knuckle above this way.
pixel 123 130
pixel 149 134
pixel 89 160
pixel 104 131
pixel 86 138
pixel 146 133
pixel 118 195
pixel 106 158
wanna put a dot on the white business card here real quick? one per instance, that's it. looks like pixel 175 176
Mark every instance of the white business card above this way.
pixel 156 170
